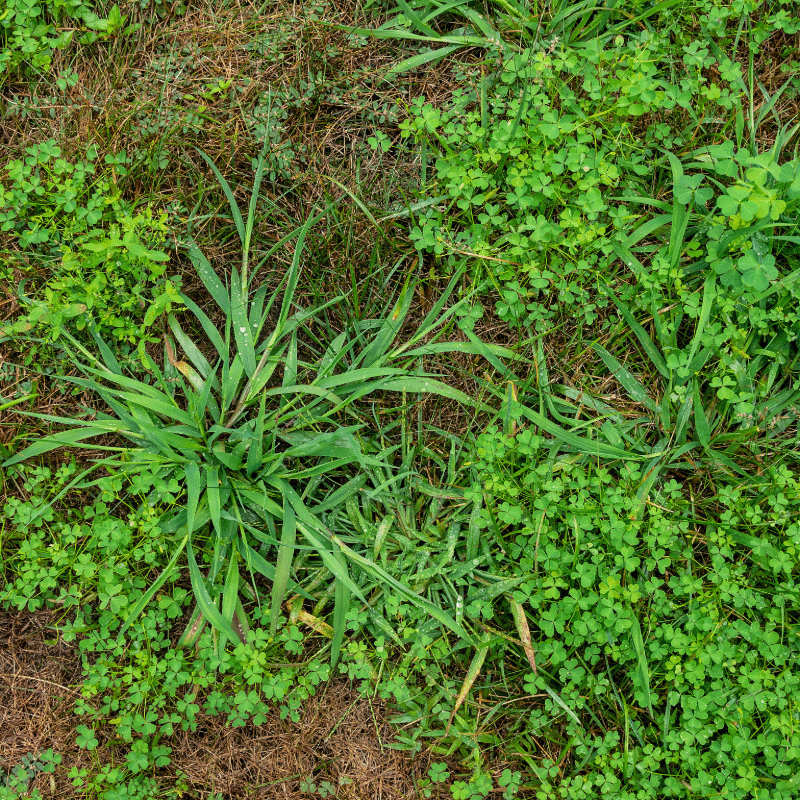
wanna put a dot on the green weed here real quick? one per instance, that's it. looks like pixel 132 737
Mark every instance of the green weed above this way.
pixel 88 257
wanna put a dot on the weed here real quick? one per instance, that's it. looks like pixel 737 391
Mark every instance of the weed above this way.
pixel 98 256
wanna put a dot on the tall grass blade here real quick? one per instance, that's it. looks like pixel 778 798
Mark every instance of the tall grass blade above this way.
pixel 472 674
pixel 341 606
pixel 641 656
pixel 142 602
pixel 205 601
pixel 209 278
pixel 235 211
pixel 283 565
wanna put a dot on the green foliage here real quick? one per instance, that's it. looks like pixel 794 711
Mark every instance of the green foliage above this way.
pixel 722 286
pixel 31 32
pixel 234 446
pixel 50 201
pixel 601 587
pixel 15 781
pixel 541 169
pixel 91 257
pixel 528 165
pixel 663 636
pixel 137 688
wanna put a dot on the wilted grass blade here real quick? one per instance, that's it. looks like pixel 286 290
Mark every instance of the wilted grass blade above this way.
pixel 470 678
pixel 524 631
pixel 190 348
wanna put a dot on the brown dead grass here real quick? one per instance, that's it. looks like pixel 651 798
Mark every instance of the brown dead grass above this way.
pixel 340 737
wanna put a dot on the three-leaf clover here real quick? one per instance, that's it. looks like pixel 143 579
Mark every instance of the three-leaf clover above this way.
pixel 86 738
pixel 438 772
pixel 757 273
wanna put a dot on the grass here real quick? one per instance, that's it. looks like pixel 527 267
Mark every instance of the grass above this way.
pixel 445 350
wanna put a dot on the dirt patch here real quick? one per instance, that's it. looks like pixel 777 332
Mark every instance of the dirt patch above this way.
pixel 341 738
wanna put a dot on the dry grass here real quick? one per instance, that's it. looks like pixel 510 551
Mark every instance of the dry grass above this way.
pixel 341 737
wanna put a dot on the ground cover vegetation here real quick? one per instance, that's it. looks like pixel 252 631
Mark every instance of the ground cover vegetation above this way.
pixel 448 349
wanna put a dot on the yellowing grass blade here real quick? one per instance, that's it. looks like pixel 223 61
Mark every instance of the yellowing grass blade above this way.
pixel 521 621
pixel 472 674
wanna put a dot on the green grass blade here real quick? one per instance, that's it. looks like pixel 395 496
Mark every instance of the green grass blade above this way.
pixel 209 328
pixel 255 454
pixel 373 355
pixel 54 441
pixel 560 702
pixel 420 59
pixel 415 19
pixel 205 601
pixel 652 351
pixel 230 592
pixel 700 421
pixel 190 348
pixel 293 276
pixel 472 674
pixel 214 502
pixel 251 216
pixel 108 356
pixel 709 295
pixel 209 278
pixel 641 657
pixel 154 587
pixel 578 443
pixel 235 211
pixel 341 605
pixel 195 484
pixel 283 565
pixel 254 560
pixel 415 385
pixel 629 381
pixel 242 332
